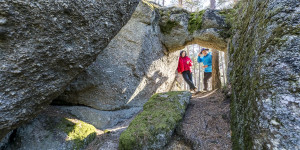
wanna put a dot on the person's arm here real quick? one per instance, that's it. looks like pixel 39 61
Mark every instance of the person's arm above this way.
pixel 190 62
pixel 179 67
pixel 200 59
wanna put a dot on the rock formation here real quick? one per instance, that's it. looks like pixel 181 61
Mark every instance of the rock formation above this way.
pixel 264 75
pixel 131 69
pixel 181 28
pixel 141 59
pixel 45 44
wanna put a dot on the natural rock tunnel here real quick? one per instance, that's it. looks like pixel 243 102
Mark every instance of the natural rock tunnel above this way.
pixel 141 60
pixel 259 38
pixel 251 43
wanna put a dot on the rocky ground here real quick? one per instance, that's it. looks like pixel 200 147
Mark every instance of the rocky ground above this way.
pixel 109 138
pixel 206 125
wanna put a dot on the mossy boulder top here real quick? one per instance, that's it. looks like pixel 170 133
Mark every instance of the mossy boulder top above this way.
pixel 153 128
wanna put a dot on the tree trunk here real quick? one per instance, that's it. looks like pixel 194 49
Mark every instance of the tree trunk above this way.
pixel 180 3
pixel 163 2
pixel 194 66
pixel 187 51
pixel 200 81
pixel 224 68
pixel 213 4
pixel 216 82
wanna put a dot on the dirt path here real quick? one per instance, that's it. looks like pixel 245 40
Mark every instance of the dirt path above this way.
pixel 206 125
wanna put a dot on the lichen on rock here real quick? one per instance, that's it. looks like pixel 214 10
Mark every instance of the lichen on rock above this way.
pixel 153 128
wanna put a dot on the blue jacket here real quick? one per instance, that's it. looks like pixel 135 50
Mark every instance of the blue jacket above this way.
pixel 206 61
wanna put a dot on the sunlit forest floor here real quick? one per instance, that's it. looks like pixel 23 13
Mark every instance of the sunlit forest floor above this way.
pixel 206 124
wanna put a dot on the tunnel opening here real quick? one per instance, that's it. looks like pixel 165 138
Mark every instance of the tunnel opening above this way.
pixel 219 71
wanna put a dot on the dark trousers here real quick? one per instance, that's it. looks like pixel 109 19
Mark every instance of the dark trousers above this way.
pixel 187 76
pixel 207 76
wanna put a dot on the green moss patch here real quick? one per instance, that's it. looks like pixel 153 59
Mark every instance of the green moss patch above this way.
pixel 167 27
pixel 153 128
pixel 79 132
pixel 195 21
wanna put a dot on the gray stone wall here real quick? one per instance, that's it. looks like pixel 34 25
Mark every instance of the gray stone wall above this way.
pixel 264 75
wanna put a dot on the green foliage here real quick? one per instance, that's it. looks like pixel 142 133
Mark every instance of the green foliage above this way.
pixel 167 27
pixel 79 132
pixel 195 21
pixel 160 116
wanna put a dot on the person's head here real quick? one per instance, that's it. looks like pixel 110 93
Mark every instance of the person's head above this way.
pixel 204 51
pixel 182 53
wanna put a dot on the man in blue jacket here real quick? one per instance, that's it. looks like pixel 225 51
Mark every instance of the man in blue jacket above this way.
pixel 205 57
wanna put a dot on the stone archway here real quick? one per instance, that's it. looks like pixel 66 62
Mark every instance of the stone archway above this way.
pixel 142 59
pixel 181 28
pixel 205 28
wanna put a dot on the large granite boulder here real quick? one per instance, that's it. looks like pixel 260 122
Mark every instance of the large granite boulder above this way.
pixel 45 44
pixel 134 66
pixel 264 75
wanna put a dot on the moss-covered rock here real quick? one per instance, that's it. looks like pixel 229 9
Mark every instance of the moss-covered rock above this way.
pixel 153 128
pixel 79 132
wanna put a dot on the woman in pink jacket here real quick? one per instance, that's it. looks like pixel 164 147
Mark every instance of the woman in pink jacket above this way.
pixel 184 68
